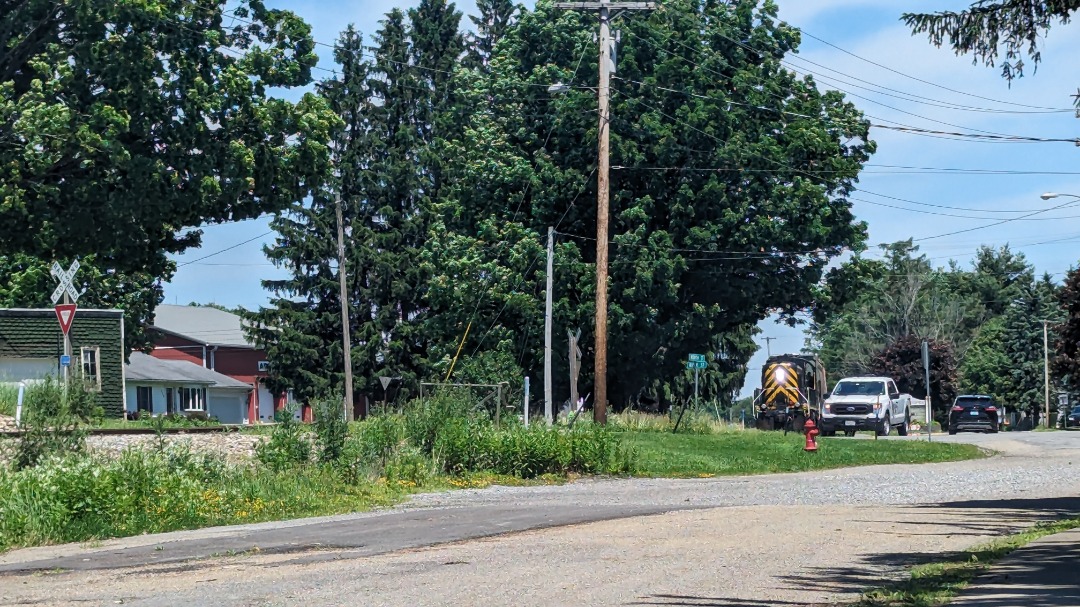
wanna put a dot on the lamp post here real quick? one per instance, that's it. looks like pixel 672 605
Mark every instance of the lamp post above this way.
pixel 1046 323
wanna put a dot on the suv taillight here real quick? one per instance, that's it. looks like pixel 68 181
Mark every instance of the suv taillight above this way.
pixel 957 408
pixel 990 408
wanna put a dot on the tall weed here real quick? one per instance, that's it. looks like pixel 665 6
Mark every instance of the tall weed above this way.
pixel 331 429
pixel 78 498
pixel 288 445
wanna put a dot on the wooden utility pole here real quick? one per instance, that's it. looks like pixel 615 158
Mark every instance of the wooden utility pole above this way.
pixel 345 331
pixel 548 415
pixel 768 345
pixel 607 67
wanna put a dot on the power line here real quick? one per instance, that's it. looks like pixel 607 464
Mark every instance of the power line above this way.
pixel 923 81
pixel 939 214
pixel 998 137
pixel 226 249
pixel 900 170
pixel 1004 221
pixel 914 98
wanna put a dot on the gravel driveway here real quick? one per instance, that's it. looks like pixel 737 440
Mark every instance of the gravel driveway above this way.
pixel 799 539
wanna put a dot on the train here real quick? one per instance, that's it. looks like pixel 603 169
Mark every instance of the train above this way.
pixel 793 389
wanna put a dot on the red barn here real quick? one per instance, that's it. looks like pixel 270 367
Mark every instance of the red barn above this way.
pixel 215 339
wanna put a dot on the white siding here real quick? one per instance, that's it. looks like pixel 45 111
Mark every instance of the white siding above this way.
pixel 22 369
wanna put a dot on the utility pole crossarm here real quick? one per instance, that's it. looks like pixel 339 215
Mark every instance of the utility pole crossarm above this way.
pixel 618 6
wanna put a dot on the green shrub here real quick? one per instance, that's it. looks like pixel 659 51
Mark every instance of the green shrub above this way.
pixel 331 429
pixel 44 400
pixel 288 446
pixel 472 445
pixel 44 438
pixel 409 467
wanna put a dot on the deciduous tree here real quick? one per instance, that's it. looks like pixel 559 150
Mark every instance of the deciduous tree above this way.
pixel 122 122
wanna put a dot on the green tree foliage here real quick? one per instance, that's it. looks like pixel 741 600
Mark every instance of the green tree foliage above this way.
pixel 388 174
pixel 698 256
pixel 987 367
pixel 490 26
pixel 142 117
pixel 301 328
pixel 25 282
pixel 902 361
pixel 987 317
pixel 1067 345
pixel 989 27
pixel 908 298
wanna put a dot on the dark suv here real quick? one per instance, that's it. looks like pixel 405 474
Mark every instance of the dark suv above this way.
pixel 973 413
pixel 1070 420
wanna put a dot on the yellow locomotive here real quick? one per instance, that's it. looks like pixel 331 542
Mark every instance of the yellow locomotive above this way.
pixel 793 387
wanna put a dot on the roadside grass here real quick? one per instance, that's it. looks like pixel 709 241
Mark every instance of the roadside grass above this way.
pixel 754 452
pixel 935 584
pixel 9 397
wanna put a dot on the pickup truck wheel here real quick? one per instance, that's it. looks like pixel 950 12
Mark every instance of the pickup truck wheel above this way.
pixel 886 426
pixel 902 429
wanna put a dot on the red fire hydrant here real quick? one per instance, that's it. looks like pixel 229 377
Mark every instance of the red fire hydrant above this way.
pixel 811 435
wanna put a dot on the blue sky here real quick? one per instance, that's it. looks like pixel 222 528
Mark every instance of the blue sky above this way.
pixel 869 29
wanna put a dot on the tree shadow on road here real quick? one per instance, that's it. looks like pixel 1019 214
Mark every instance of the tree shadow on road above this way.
pixel 889 574
pixel 678 600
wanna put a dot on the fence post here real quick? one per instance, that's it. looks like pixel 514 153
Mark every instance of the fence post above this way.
pixel 498 404
pixel 526 407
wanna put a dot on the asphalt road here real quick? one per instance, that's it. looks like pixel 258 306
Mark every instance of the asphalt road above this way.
pixel 803 539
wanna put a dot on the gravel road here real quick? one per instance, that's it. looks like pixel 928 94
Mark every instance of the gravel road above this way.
pixel 797 539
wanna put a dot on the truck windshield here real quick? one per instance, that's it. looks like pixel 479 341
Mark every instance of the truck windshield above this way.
pixel 863 388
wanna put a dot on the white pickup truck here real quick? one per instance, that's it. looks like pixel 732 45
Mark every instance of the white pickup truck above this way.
pixel 865 403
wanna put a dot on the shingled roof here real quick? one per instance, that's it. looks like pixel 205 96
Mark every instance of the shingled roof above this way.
pixel 201 324
pixel 146 368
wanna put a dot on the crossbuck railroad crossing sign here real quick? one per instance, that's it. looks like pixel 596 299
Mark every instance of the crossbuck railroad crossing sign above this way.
pixel 65 279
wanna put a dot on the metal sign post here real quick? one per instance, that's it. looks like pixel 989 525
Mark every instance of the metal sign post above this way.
pixel 696 362
pixel 65 312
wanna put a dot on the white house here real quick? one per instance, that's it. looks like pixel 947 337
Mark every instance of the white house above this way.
pixel 178 386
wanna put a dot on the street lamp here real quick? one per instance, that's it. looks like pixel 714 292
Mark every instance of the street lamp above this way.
pixel 558 87
pixel 1046 340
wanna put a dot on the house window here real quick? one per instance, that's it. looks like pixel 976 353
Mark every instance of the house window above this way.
pixel 264 366
pixel 91 367
pixel 192 399
pixel 170 401
pixel 144 398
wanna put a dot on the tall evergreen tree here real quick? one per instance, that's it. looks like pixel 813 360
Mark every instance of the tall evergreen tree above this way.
pixel 301 329
pixel 492 24
pixel 717 177
pixel 1067 346
pixel 396 209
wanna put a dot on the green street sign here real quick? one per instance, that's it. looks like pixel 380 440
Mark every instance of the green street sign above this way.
pixel 696 358
pixel 697 364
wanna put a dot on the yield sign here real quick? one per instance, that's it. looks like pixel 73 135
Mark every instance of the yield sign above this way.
pixel 65 313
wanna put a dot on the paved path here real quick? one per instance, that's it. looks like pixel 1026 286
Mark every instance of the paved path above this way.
pixel 1045 573
pixel 801 539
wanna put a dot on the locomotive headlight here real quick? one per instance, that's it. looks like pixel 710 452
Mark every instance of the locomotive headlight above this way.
pixel 781 375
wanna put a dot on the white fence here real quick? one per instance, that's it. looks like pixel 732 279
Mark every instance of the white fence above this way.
pixel 918 411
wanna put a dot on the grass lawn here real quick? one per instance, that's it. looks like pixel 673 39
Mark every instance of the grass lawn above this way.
pixel 752 452
pixel 937 583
